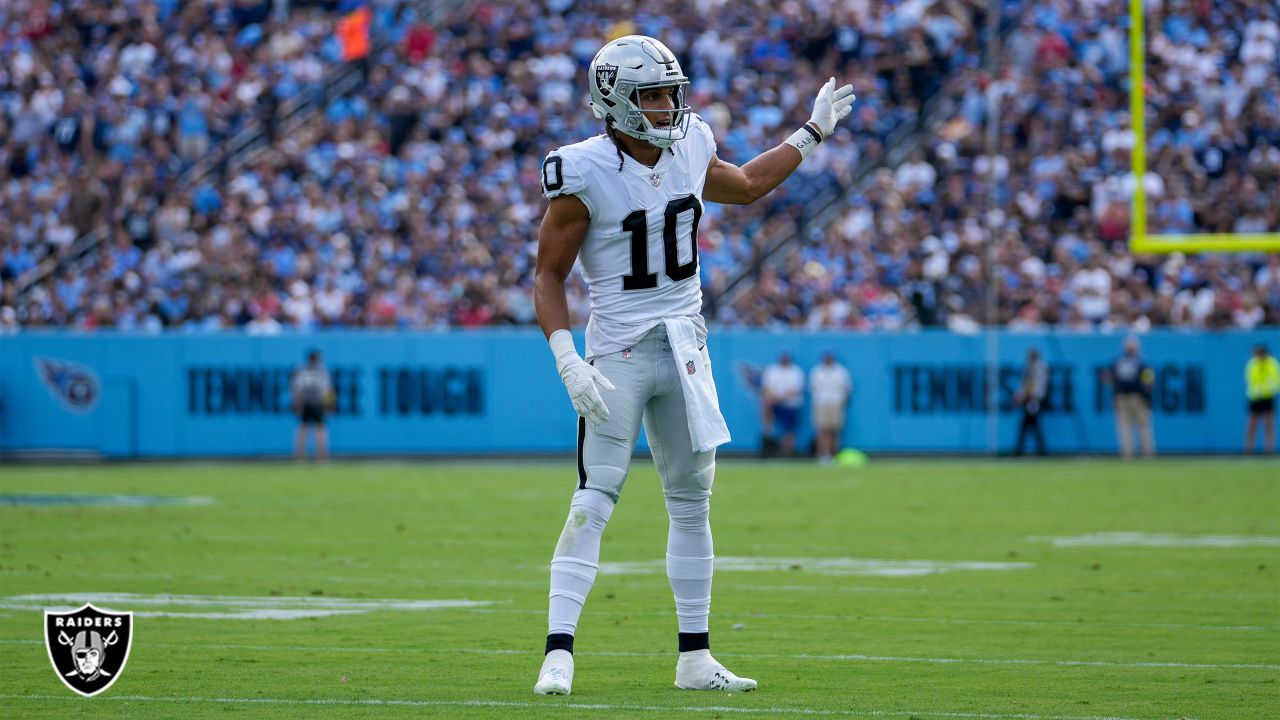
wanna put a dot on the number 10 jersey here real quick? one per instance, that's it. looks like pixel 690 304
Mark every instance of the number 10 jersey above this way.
pixel 640 255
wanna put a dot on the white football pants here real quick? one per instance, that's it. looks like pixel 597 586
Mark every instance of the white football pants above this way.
pixel 647 390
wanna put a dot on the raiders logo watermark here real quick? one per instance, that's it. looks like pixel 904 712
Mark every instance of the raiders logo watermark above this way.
pixel 88 647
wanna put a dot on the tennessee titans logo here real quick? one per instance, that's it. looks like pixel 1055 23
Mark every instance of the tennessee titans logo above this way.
pixel 689 367
pixel 606 76
pixel 75 386
pixel 750 377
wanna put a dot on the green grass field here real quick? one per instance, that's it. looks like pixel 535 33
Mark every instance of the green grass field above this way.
pixel 1181 621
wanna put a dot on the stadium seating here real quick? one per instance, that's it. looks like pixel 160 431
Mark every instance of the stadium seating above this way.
pixel 413 201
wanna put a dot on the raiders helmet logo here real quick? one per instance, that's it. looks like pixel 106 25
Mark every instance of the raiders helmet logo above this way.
pixel 88 647
pixel 606 76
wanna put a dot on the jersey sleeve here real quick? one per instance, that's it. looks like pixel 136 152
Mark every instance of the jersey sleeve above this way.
pixel 560 175
pixel 700 128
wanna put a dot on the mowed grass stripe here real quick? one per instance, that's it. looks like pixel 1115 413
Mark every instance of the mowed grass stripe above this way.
pixel 558 704
pixel 848 618
pixel 654 580
pixel 809 657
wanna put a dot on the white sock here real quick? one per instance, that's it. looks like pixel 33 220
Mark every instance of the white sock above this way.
pixel 577 557
pixel 690 562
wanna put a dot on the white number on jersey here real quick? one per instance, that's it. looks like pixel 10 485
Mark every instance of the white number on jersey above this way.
pixel 552 174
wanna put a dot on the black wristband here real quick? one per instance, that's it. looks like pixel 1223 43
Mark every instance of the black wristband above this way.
pixel 817 136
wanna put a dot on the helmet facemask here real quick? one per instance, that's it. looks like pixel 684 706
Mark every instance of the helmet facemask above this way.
pixel 636 122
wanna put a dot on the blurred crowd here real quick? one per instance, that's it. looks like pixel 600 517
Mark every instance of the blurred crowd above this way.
pixel 1052 203
pixel 413 202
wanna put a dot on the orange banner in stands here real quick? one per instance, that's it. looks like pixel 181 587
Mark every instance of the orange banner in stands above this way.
pixel 353 34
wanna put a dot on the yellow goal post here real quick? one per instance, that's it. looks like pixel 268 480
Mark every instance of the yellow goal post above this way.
pixel 1139 240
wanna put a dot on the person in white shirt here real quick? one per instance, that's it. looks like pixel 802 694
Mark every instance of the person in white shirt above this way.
pixel 625 206
pixel 782 390
pixel 830 389
pixel 1092 287
pixel 263 324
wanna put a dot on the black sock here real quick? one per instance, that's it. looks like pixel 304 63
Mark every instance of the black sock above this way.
pixel 695 641
pixel 559 641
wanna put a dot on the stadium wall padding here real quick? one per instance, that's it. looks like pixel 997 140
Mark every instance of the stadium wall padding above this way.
pixel 475 392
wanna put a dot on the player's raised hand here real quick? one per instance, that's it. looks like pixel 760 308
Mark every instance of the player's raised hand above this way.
pixel 831 106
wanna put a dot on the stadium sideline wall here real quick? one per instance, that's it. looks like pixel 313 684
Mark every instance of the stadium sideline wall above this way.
pixel 478 392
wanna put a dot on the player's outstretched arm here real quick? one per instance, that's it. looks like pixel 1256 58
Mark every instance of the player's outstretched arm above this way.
pixel 559 240
pixel 728 183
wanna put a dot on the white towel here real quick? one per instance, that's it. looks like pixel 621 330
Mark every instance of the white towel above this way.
pixel 707 428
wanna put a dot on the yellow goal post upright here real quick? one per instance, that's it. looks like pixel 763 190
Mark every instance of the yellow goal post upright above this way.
pixel 1139 240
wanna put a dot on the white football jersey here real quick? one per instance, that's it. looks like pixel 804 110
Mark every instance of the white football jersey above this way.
pixel 640 255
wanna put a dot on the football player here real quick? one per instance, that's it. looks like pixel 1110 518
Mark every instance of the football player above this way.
pixel 627 204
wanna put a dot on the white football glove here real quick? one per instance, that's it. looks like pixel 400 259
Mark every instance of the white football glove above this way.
pixel 580 379
pixel 830 107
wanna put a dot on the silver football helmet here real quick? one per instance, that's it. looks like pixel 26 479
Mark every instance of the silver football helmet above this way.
pixel 621 71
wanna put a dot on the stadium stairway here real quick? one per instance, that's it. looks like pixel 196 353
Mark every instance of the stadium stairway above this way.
pixel 828 205
pixel 240 148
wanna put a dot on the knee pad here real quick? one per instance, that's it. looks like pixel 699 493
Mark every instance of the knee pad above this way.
pixel 689 515
pixel 693 479
pixel 590 508
pixel 606 461
pixel 704 469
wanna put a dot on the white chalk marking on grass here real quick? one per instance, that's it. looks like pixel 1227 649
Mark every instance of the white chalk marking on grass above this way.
pixel 822 566
pixel 231 615
pixel 229 607
pixel 77 499
pixel 979 591
pixel 558 705
pixel 939 620
pixel 1161 540
pixel 749 656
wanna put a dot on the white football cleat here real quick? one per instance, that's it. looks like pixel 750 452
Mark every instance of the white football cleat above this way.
pixel 697 670
pixel 556 676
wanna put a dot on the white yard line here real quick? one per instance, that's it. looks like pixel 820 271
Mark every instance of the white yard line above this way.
pixel 618 581
pixel 228 607
pixel 533 652
pixel 1157 540
pixel 820 565
pixel 899 618
pixel 558 704
pixel 277 607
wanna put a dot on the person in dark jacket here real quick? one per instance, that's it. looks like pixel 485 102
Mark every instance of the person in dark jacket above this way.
pixel 1131 382
pixel 1035 385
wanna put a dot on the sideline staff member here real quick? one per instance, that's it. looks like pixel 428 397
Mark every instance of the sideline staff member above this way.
pixel 312 393
pixel 1131 384
pixel 1262 384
